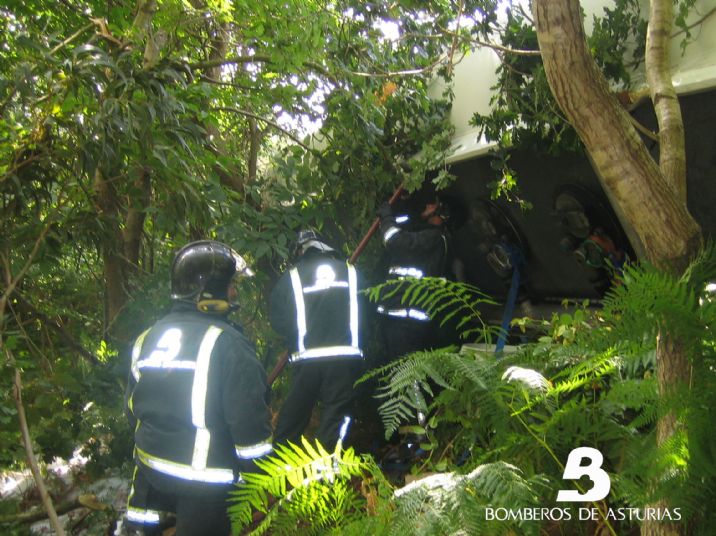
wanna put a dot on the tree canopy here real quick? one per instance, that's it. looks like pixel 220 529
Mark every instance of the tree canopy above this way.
pixel 130 128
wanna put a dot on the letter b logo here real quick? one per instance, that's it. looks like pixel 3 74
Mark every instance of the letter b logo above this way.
pixel 574 471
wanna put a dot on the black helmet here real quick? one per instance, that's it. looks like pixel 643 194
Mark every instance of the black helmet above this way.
pixel 307 239
pixel 203 270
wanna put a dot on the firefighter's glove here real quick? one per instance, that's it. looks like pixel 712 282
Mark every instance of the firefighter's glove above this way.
pixel 385 212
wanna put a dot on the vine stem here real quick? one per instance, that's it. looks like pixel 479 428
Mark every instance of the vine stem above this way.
pixel 544 445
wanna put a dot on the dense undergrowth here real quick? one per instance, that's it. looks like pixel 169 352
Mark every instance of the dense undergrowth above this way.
pixel 500 428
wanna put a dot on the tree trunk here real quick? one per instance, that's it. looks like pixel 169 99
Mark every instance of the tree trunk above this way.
pixel 672 370
pixel 136 214
pixel 672 363
pixel 219 35
pixel 651 197
pixel 672 145
pixel 254 136
pixel 112 247
pixel 121 247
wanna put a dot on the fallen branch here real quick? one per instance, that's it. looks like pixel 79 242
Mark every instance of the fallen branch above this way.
pixel 38 514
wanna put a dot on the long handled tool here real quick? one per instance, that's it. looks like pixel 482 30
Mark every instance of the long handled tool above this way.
pixel 361 246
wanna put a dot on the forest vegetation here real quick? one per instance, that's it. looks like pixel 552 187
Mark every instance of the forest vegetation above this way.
pixel 130 128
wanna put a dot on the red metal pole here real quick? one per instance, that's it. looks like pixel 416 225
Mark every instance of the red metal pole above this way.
pixel 363 243
pixel 277 368
pixel 373 228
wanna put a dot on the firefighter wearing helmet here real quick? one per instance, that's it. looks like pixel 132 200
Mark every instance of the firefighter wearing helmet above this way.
pixel 315 308
pixel 416 246
pixel 197 398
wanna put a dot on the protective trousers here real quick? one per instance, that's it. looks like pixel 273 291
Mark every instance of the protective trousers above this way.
pixel 150 510
pixel 326 382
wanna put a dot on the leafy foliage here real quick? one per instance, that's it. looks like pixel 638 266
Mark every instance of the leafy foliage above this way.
pixel 440 503
pixel 588 381
pixel 300 486
pixel 128 129
pixel 305 490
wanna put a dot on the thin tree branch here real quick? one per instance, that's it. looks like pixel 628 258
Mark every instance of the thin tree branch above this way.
pixel 10 281
pixel 257 58
pixel 208 80
pixel 507 50
pixel 455 36
pixel 49 322
pixel 701 20
pixel 28 339
pixel 209 64
pixel 17 167
pixel 31 459
pixel 642 129
pixel 500 48
pixel 71 38
pixel 407 72
pixel 264 120
pixel 62 508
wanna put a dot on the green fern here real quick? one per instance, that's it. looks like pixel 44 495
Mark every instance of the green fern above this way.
pixel 442 502
pixel 599 389
pixel 649 300
pixel 306 484
pixel 443 300
pixel 399 390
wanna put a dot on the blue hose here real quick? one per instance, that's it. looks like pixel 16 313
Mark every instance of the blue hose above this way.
pixel 516 259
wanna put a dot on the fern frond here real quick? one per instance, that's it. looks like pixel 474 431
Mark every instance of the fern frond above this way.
pixel 294 475
pixel 649 300
pixel 440 299
pixel 702 269
pixel 445 503
pixel 585 373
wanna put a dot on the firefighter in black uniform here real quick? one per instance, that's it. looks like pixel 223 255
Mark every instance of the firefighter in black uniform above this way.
pixel 413 249
pixel 197 397
pixel 315 308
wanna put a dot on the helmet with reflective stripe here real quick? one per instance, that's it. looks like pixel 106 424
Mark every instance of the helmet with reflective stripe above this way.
pixel 203 270
pixel 307 239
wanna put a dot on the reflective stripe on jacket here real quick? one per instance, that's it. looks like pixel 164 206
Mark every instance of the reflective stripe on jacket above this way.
pixel 412 253
pixel 199 399
pixel 315 307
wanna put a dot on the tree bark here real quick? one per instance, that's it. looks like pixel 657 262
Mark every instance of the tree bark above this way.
pixel 672 364
pixel 112 247
pixel 219 32
pixel 672 144
pixel 254 135
pixel 134 222
pixel 672 371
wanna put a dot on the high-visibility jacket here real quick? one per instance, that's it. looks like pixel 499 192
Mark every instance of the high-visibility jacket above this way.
pixel 315 306
pixel 198 399
pixel 411 252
